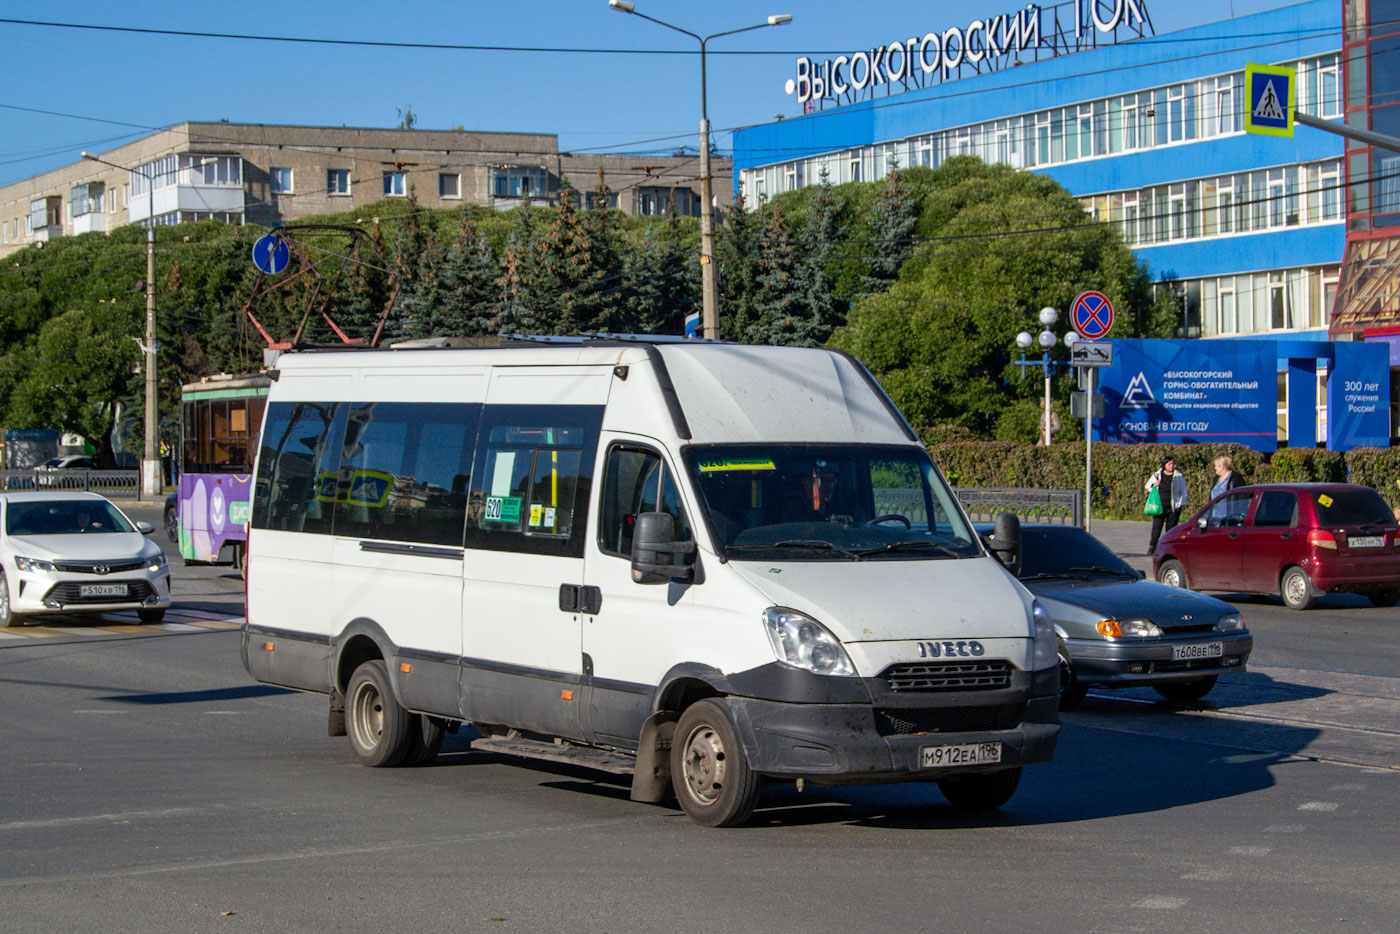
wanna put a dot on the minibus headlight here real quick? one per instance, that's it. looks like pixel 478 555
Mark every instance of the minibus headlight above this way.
pixel 1045 653
pixel 805 643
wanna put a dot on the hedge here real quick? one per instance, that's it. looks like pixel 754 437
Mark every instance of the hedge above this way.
pixel 1120 470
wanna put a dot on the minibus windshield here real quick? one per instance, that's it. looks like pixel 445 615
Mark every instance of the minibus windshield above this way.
pixel 815 502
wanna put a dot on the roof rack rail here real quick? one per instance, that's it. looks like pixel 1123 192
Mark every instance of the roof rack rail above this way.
pixel 589 336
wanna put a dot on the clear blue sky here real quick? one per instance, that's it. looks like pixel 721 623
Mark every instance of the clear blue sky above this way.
pixel 608 102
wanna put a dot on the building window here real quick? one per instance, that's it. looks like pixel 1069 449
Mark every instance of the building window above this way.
pixel 517 181
pixel 449 185
pixel 218 171
pixel 337 181
pixel 394 184
pixel 85 199
pixel 279 181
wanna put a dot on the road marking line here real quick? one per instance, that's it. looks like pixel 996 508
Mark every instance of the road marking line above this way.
pixel 1284 828
pixel 38 631
pixel 95 818
pixel 222 624
pixel 1161 902
pixel 79 630
pixel 1250 850
pixel 1319 806
pixel 175 627
pixel 1350 786
pixel 1207 875
pixel 128 628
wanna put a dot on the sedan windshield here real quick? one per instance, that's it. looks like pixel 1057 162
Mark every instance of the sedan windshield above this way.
pixel 1066 551
pixel 64 517
pixel 813 502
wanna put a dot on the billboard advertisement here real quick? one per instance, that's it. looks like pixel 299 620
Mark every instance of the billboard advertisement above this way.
pixel 1191 391
pixel 1358 397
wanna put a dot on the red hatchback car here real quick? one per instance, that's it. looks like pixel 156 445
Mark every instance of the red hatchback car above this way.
pixel 1298 540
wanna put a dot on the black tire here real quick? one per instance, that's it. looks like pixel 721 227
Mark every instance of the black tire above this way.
pixel 1384 597
pixel 172 526
pixel 426 741
pixel 151 616
pixel 1171 573
pixel 379 729
pixel 981 791
pixel 8 617
pixel 710 775
pixel 1186 692
pixel 1296 589
pixel 1072 690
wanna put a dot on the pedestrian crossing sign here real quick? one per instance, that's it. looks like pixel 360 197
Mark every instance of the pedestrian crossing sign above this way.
pixel 1271 95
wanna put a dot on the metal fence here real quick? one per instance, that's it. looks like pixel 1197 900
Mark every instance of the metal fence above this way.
pixel 1057 507
pixel 106 482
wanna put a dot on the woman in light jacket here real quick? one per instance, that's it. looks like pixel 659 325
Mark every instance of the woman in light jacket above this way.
pixel 1172 489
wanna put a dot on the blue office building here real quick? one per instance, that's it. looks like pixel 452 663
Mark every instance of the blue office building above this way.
pixel 1259 235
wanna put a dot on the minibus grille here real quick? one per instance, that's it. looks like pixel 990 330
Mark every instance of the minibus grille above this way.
pixel 912 677
pixel 902 721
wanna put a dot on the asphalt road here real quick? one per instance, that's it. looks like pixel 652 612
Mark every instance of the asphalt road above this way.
pixel 147 785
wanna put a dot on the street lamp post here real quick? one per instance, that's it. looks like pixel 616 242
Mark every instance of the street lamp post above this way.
pixel 709 285
pixel 150 460
pixel 1047 340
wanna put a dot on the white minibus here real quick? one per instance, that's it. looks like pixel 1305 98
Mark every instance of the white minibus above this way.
pixel 701 565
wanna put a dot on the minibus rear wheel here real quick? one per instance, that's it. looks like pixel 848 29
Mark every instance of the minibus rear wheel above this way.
pixel 710 775
pixel 379 729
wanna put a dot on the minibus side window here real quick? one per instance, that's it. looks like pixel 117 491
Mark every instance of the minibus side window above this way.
pixel 636 480
pixel 295 489
pixel 404 471
pixel 532 476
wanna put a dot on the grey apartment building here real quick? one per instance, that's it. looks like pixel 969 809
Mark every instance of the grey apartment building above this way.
pixel 253 173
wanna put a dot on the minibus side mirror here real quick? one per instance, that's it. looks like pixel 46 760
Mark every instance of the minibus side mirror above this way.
pixel 654 540
pixel 1005 541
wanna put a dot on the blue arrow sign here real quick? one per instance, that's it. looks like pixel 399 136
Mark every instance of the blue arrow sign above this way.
pixel 271 254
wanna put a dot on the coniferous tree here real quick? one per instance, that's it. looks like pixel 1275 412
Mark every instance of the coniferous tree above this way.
pixel 466 291
pixel 780 314
pixel 366 287
pixel 517 282
pixel 892 221
pixel 821 311
pixel 737 247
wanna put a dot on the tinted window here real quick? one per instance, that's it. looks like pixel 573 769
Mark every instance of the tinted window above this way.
pixel 1356 506
pixel 296 483
pixel 64 517
pixel 1066 551
pixel 1277 508
pixel 636 480
pixel 822 502
pixel 1229 511
pixel 531 478
pixel 404 471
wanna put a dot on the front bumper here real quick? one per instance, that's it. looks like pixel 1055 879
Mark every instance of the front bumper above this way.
pixel 1125 663
pixel 862 743
pixel 36 594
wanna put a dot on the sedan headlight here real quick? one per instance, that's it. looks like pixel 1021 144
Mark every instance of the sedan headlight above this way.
pixel 157 561
pixel 1128 628
pixel 805 643
pixel 36 565
pixel 1045 645
pixel 1230 622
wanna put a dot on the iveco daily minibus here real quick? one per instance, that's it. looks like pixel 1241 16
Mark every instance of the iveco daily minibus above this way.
pixel 702 565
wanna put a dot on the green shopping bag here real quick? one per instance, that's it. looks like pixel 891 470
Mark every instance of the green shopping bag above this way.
pixel 1154 503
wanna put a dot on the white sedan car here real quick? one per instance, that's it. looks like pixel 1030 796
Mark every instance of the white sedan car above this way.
pixel 77 553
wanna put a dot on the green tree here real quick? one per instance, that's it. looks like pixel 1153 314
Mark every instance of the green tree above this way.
pixel 820 310
pixel 465 287
pixel 737 248
pixel 892 222
pixel 517 283
pixel 780 315
pixel 1004 244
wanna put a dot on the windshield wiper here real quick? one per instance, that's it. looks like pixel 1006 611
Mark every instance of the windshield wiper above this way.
pixel 1100 569
pixel 911 546
pixel 815 544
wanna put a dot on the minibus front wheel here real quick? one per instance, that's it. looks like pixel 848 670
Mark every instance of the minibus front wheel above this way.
pixel 711 776
pixel 379 729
